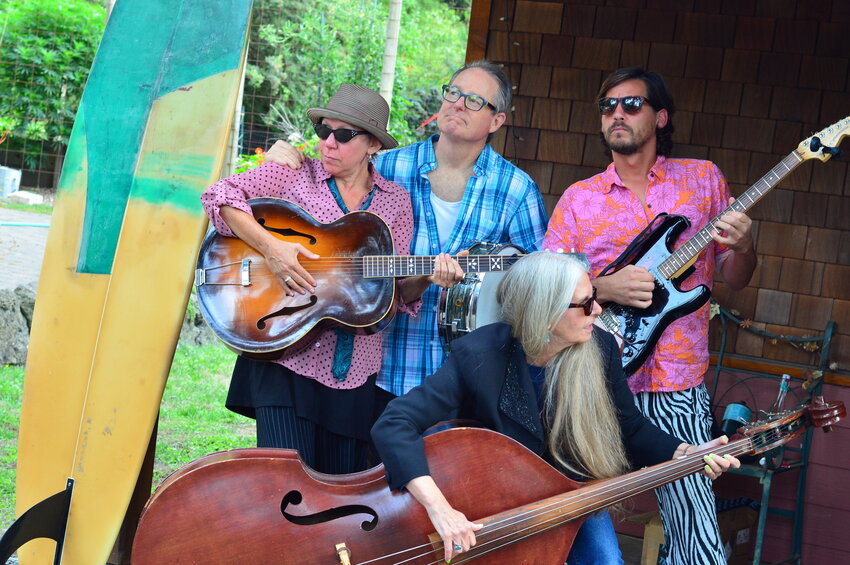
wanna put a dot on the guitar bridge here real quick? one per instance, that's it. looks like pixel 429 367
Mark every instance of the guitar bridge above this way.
pixel 246 272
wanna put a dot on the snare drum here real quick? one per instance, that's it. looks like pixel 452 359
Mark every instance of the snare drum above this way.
pixel 471 303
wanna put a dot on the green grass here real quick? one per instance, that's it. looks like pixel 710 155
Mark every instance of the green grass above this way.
pixel 40 208
pixel 192 422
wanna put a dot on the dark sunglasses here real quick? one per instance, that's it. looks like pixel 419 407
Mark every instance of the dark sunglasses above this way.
pixel 631 104
pixel 587 304
pixel 342 135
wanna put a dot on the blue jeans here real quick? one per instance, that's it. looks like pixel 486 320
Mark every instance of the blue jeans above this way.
pixel 596 542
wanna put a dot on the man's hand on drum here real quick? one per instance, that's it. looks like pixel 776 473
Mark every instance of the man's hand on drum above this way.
pixel 282 259
pixel 447 271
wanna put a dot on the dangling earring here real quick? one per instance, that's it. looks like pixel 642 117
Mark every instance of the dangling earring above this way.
pixel 548 339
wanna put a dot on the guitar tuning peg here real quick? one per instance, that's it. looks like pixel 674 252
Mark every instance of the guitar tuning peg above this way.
pixel 834 151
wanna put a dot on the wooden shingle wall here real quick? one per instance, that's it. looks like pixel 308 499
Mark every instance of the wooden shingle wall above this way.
pixel 751 79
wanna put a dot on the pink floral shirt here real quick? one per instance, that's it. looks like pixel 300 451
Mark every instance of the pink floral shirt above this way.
pixel 307 187
pixel 599 216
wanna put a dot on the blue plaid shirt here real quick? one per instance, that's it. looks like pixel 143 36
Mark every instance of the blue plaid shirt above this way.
pixel 501 204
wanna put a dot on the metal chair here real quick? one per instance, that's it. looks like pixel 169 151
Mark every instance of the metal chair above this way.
pixel 785 459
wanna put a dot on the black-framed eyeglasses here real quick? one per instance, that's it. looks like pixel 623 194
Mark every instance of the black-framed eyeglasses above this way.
pixel 631 104
pixel 342 135
pixel 587 304
pixel 471 101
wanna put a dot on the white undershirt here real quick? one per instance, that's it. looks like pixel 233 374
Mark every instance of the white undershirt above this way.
pixel 445 214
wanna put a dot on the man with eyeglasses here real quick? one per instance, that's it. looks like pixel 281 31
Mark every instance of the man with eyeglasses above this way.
pixel 462 192
pixel 600 217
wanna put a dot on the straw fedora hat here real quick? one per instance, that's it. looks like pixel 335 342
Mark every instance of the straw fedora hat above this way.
pixel 362 108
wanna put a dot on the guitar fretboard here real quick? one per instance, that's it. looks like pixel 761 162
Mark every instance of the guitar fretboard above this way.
pixel 375 266
pixel 691 248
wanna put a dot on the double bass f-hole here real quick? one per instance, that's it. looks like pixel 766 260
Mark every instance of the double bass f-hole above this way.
pixel 286 311
pixel 294 498
pixel 287 231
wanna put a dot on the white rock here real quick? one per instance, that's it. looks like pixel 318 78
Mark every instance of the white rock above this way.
pixel 26 197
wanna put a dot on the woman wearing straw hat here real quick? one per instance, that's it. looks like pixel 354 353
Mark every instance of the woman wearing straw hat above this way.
pixel 318 397
pixel 545 378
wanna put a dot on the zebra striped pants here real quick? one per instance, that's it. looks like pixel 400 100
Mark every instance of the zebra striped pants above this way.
pixel 688 512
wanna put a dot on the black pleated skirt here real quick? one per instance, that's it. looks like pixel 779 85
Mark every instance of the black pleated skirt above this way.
pixel 348 413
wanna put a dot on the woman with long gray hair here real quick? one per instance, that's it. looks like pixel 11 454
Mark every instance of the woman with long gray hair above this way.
pixel 546 378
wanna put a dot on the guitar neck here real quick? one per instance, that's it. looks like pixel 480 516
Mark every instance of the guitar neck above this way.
pixel 685 254
pixel 378 266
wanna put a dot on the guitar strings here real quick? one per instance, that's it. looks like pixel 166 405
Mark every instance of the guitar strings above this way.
pixel 649 481
pixel 379 266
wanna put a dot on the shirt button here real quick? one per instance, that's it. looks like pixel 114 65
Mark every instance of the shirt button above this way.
pixel 318 344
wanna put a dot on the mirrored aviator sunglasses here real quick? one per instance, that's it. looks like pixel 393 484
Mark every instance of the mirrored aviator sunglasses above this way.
pixel 342 135
pixel 631 104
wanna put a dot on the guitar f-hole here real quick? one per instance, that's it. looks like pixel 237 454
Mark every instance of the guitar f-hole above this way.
pixel 287 231
pixel 286 311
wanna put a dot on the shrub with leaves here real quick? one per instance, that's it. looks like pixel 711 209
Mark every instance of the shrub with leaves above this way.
pixel 48 47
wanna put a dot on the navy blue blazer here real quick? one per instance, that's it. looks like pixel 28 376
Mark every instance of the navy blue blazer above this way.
pixel 486 379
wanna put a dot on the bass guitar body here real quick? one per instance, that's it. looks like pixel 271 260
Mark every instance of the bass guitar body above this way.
pixel 263 506
pixel 245 303
pixel 638 329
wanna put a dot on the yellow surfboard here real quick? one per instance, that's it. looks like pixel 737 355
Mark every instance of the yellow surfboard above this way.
pixel 149 136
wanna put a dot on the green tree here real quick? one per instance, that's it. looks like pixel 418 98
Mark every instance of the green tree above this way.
pixel 301 57
pixel 47 50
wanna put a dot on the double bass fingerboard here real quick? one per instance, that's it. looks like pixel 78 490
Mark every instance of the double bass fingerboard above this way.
pixel 378 266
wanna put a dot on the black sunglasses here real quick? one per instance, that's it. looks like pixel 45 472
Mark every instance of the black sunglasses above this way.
pixel 587 304
pixel 342 135
pixel 631 104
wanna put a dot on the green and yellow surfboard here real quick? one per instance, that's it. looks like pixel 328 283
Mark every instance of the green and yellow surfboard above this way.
pixel 150 135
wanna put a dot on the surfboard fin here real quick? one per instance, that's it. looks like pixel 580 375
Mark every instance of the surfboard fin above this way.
pixel 47 519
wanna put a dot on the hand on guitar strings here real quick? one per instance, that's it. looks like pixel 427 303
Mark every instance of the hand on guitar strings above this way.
pixel 734 230
pixel 282 259
pixel 284 154
pixel 447 271
pixel 715 465
pixel 457 533
pixel 630 286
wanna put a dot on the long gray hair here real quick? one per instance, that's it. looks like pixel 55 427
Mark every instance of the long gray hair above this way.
pixel 584 433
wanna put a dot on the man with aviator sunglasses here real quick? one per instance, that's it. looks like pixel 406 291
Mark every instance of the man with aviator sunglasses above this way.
pixel 462 192
pixel 599 216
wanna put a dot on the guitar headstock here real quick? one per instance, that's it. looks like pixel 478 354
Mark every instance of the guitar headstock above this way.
pixel 824 144
pixel 824 414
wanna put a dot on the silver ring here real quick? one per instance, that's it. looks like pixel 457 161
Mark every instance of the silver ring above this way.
pixel 458 547
pixel 287 279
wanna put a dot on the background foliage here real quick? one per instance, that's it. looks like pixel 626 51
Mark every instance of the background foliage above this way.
pixel 304 52
pixel 47 49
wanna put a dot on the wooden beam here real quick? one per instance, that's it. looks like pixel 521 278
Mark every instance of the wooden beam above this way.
pixel 797 372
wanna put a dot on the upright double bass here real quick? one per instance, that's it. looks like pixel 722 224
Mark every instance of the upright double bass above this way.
pixel 254 506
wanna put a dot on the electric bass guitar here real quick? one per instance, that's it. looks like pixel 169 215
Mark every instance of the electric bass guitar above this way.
pixel 638 329
pixel 245 305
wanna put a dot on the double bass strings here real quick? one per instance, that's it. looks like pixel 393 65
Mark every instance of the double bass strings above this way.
pixel 574 504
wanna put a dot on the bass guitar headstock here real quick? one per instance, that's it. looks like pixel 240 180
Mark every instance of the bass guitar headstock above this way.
pixel 824 144
pixel 778 429
pixel 824 414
